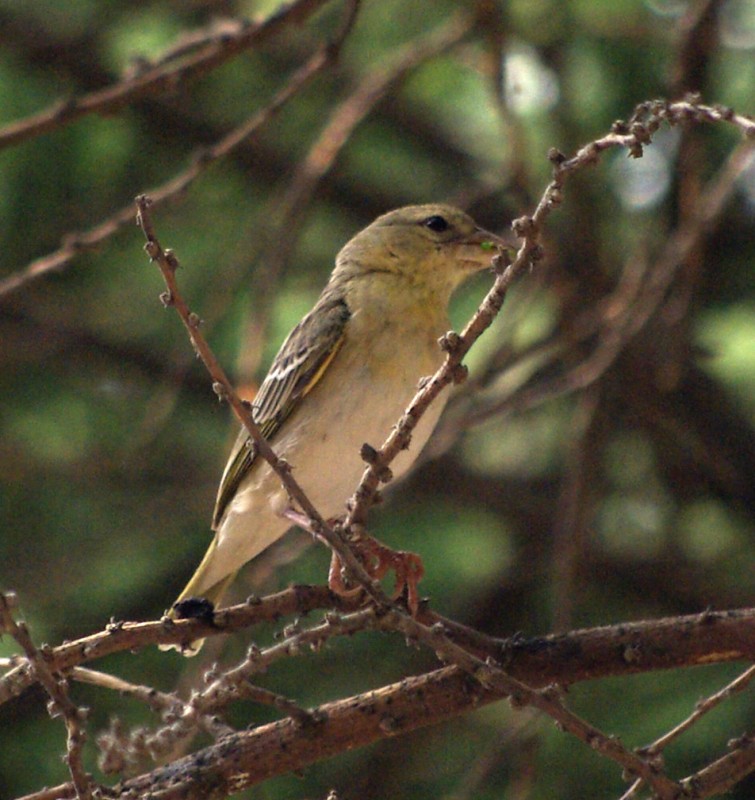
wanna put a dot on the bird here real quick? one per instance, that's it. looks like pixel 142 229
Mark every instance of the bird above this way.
pixel 342 378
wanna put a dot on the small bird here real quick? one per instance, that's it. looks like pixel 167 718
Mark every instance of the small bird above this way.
pixel 342 378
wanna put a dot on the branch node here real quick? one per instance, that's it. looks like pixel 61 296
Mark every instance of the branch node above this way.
pixel 523 226
pixel 388 724
pixel 641 132
pixel 369 454
pixel 555 197
pixel 504 258
pixel 632 653
pixel 459 374
pixel 291 629
pixel 635 150
pixel 556 157
pixel 450 342
pixel 726 112
pixel 537 253
pixel 114 625
pixel 373 457
pixel 152 249
pixel 171 259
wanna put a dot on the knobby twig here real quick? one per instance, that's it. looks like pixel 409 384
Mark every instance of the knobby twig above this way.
pixel 632 137
pixel 631 306
pixel 718 777
pixel 57 689
pixel 125 636
pixel 491 675
pixel 611 650
pixel 248 758
pixel 739 684
pixel 654 750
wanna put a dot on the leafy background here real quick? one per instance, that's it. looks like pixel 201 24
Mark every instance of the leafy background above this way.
pixel 629 498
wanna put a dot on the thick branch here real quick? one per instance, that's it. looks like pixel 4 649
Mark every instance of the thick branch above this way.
pixel 624 649
pixel 248 758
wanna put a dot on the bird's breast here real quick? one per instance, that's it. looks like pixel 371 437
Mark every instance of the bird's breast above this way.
pixel 358 400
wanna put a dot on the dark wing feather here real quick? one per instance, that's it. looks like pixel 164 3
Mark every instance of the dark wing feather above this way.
pixel 299 365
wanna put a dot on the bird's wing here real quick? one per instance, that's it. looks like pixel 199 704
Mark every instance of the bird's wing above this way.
pixel 301 361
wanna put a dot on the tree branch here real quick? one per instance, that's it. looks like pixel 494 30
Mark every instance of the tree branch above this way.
pixel 188 63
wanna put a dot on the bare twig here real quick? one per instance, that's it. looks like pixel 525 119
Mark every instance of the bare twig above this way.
pixel 60 703
pixel 739 684
pixel 490 675
pixel 654 750
pixel 622 649
pixel 718 777
pixel 234 683
pixel 641 291
pixel 612 650
pixel 123 636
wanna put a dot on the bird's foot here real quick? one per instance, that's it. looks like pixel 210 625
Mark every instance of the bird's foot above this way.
pixel 378 560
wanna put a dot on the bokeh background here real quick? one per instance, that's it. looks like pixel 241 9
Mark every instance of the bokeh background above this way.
pixel 572 482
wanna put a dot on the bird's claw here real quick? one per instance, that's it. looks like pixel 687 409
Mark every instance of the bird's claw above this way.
pixel 378 560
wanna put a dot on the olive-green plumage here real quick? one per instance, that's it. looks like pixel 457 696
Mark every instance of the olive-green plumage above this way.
pixel 343 377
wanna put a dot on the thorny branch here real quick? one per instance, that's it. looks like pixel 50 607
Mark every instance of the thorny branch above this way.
pixel 654 750
pixel 612 650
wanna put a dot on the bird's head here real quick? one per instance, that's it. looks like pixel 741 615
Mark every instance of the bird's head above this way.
pixel 430 247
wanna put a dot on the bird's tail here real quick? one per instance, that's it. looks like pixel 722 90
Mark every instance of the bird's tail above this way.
pixel 197 587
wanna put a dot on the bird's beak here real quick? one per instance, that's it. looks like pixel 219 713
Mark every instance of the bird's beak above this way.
pixel 477 250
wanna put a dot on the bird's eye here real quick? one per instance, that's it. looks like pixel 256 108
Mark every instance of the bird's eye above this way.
pixel 436 223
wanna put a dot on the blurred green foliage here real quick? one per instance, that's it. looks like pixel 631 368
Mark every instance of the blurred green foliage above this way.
pixel 112 441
